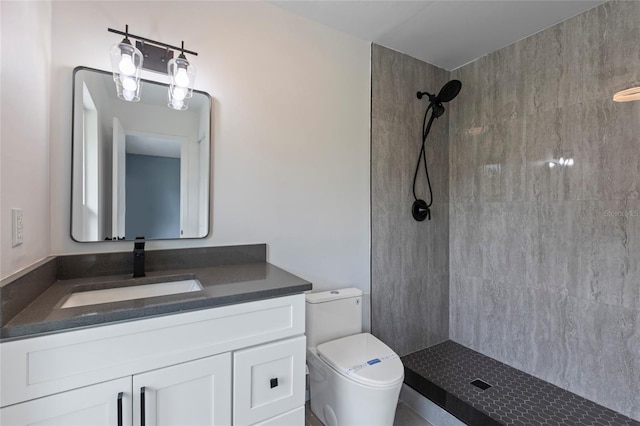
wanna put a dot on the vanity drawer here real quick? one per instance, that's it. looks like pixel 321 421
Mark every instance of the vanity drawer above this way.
pixel 268 380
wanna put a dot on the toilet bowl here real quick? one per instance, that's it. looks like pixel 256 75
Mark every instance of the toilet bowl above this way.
pixel 355 379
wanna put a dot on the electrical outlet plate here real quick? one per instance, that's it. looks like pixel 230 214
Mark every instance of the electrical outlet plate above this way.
pixel 17 226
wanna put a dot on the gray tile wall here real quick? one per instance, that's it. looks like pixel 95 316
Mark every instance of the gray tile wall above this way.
pixel 409 259
pixel 545 263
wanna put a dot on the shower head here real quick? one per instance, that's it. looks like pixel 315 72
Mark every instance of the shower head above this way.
pixel 447 93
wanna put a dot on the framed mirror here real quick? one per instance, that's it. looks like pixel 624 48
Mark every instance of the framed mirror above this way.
pixel 139 169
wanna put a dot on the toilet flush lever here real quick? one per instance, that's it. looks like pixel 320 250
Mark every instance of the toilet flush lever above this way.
pixel 274 383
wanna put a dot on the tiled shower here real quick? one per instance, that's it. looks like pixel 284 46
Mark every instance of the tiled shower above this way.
pixel 526 259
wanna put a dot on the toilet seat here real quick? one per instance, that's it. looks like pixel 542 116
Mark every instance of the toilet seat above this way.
pixel 364 359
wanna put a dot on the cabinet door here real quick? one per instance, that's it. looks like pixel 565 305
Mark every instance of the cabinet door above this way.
pixel 105 404
pixel 195 393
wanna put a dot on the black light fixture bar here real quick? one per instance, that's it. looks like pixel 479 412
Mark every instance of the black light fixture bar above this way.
pixel 147 40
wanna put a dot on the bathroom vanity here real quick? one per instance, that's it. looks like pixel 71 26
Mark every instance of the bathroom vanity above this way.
pixel 230 353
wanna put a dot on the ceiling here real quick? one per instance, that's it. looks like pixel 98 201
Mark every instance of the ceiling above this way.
pixel 445 33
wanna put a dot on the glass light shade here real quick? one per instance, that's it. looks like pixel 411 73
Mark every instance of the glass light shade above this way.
pixel 178 104
pixel 177 98
pixel 128 89
pixel 126 63
pixel 182 75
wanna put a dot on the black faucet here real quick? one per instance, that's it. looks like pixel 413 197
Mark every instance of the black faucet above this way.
pixel 138 257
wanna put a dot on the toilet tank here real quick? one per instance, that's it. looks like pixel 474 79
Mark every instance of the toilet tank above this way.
pixel 333 314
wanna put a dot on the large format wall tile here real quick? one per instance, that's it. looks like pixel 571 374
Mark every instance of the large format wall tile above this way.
pixel 409 259
pixel 552 135
pixel 609 348
pixel 464 315
pixel 542 74
pixel 506 242
pixel 553 339
pixel 465 225
pixel 609 150
pixel 606 38
pixel 608 248
pixel 500 161
pixel 552 261
pixel 463 169
pixel 544 261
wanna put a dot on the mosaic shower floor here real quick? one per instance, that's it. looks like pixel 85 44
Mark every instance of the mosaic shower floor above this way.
pixel 444 372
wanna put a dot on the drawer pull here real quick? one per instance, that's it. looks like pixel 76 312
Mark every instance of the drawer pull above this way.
pixel 142 389
pixel 274 383
pixel 120 395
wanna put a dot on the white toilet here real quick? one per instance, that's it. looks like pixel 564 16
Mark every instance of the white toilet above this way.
pixel 355 379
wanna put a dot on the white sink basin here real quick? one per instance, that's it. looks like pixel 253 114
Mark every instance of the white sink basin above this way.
pixel 117 294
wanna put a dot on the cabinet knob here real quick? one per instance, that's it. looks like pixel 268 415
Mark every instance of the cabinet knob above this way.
pixel 274 383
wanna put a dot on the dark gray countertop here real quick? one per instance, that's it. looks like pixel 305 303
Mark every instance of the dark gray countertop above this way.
pixel 222 285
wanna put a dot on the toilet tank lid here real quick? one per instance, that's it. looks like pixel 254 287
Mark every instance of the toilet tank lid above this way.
pixel 364 359
pixel 327 296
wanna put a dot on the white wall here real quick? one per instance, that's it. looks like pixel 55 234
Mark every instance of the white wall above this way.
pixel 24 130
pixel 290 138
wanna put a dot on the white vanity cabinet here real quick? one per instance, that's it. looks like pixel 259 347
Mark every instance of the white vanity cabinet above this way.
pixel 240 364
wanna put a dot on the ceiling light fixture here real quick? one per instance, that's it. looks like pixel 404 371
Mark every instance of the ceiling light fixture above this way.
pixel 127 61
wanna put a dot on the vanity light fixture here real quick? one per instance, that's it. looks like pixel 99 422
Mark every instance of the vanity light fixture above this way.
pixel 127 61
pixel 632 94
pixel 182 75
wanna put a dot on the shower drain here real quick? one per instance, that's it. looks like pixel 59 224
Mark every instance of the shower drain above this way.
pixel 480 384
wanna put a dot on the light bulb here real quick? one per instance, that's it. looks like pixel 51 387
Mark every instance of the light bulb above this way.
pixel 128 83
pixel 570 162
pixel 126 65
pixel 179 93
pixel 561 161
pixel 181 78
pixel 128 95
pixel 176 103
pixel 552 165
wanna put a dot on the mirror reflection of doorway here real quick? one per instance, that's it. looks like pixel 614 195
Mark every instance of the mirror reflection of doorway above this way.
pixel 153 181
pixel 89 209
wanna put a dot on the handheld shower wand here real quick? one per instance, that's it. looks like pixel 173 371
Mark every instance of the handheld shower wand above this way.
pixel 420 209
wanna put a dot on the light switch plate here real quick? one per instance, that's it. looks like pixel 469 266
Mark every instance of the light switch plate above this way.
pixel 17 226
